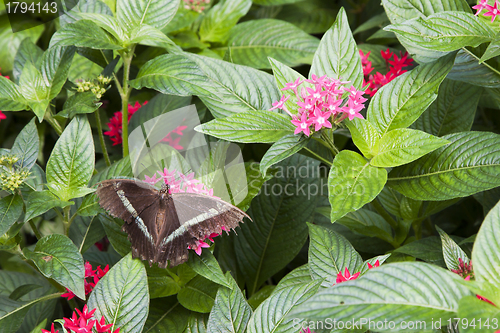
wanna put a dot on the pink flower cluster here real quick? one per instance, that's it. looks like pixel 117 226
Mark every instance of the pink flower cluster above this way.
pixel 196 5
pixel 180 183
pixel 2 115
pixel 115 123
pixel 91 279
pixel 492 11
pixel 466 271
pixel 174 143
pixel 394 67
pixel 320 106
pixel 347 275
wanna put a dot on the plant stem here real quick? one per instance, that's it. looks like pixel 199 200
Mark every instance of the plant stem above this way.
pixel 67 220
pixel 101 137
pixel 330 143
pixel 479 59
pixel 318 156
pixel 51 120
pixel 125 94
pixel 38 235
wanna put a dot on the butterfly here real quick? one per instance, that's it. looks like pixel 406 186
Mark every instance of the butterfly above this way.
pixel 161 226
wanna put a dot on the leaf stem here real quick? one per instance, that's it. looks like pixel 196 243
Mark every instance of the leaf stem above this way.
pixel 101 137
pixel 479 59
pixel 67 220
pixel 125 94
pixel 318 156
pixel 330 143
pixel 38 235
pixel 52 121
pixel 378 207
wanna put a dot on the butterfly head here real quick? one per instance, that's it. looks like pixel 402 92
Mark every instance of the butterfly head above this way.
pixel 165 190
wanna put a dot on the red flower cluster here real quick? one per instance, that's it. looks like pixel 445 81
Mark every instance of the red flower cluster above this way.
pixel 2 115
pixel 174 143
pixel 115 123
pixel 93 275
pixel 394 67
pixel 347 276
pixel 323 103
pixel 83 323
pixel 492 11
pixel 464 269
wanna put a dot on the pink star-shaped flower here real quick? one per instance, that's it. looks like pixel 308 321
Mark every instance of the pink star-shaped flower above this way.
pixel 199 247
pixel 280 104
pixel 346 277
pixel 51 330
pixel 483 4
pixel 377 264
pixel 101 326
pixel 320 119
pixel 333 105
pixel 175 144
pixel 317 80
pixel 352 110
pixel 151 180
pixel 316 95
pixel 167 176
pixel 2 115
pixel 179 129
pixel 302 124
pixel 307 105
pixel 493 11
pixel 364 57
pixel 293 85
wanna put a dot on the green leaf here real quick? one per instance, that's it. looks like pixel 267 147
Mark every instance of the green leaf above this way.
pixel 198 294
pixel 255 180
pixel 400 102
pixel 481 315
pixel 121 296
pixel 468 165
pixel 85 232
pixel 352 183
pixel 89 6
pixel 161 283
pixel 117 237
pixel 27 52
pixel 9 41
pixel 251 43
pixel 403 145
pixel 311 16
pixel 12 313
pixel 487 249
pixel 400 11
pixel 34 89
pixel 493 49
pixel 279 213
pixel 445 32
pixel 215 81
pixel 207 266
pixel 249 127
pixel 71 162
pixel 260 296
pixel 25 146
pixel 172 74
pixel 451 251
pixel 148 35
pixel 467 69
pixel 84 33
pixel 453 110
pixel 329 254
pixel 40 202
pixel 281 149
pixel 271 315
pixel 54 67
pixel 158 105
pixel 23 290
pixel 368 223
pixel 221 18
pixel 121 168
pixel 58 258
pixel 337 55
pixel 226 97
pixel 11 208
pixel 284 74
pixel 11 98
pixel 133 13
pixel 364 136
pixel 79 103
pixel 108 23
pixel 400 291
pixel 231 311
pixel 166 315
pixel 428 249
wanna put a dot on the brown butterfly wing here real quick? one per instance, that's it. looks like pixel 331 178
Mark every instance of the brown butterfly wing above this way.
pixel 137 204
pixel 201 215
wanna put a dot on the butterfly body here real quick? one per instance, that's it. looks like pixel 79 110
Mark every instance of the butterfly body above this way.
pixel 162 225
